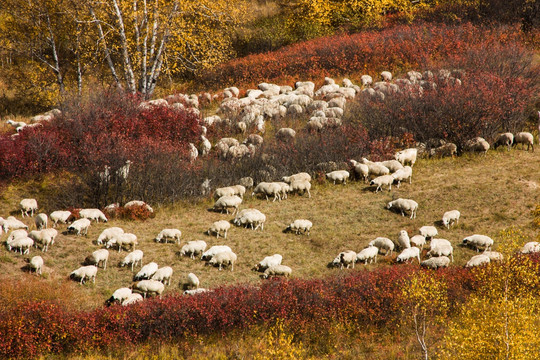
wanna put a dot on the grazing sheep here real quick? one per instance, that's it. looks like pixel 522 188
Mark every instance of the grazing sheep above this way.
pixel 267 262
pixel 285 134
pixel 118 296
pixel 135 257
pixel 132 299
pixel 383 243
pixel 41 221
pixel 445 150
pixel 392 165
pixel 504 139
pixel 428 231
pixel 13 223
pixel 250 217
pixel 478 242
pixel 277 270
pixel 300 187
pixel 524 138
pixel 450 217
pixel 108 234
pixel 226 202
pixel 23 244
pixel 268 189
pixel 441 249
pixel 224 258
pixel 218 227
pixel 193 248
pixel 138 203
pixel 409 254
pixel 148 287
pixel 478 260
pixel 404 205
pixel 530 247
pixel 375 168
pixel 163 275
pixel 239 190
pixel 84 272
pixel 146 271
pixel 166 234
pixel 285 188
pixel 213 251
pixel 195 291
pixel 340 176
pixel 122 240
pixel 59 216
pixel 79 227
pixel 404 241
pixel 93 214
pixel 303 176
pixel 28 205
pixel 436 262
pixel 36 263
pixel 192 281
pixel 402 175
pixel 98 257
pixel 16 234
pixel 418 241
pixel 344 258
pixel 224 191
pixel 477 144
pixel 407 156
pixel 380 181
pixel 300 226
pixel 368 254
pixel 494 255
pixel 360 170
pixel 44 237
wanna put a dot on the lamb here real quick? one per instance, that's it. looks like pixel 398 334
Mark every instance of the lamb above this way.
pixel 360 170
pixel 477 144
pixel 340 176
pixel 192 281
pixel 252 217
pixel 409 254
pixel 193 248
pixel 404 205
pixel 41 221
pixel 478 242
pixel 23 244
pixel 493 255
pixel 98 257
pixel 380 181
pixel 524 138
pixel 404 241
pixel 148 286
pixel 44 237
pixel 345 258
pixel 530 247
pixel 300 226
pixel 118 296
pixel 146 271
pixel 303 176
pixel 28 205
pixel 300 187
pixel 36 263
pixel 436 262
pixel 166 234
pixel 441 249
pixel 93 214
pixel 429 232
pixel 213 251
pixel 418 241
pixel 226 202
pixel 504 139
pixel 445 150
pixel 402 175
pixel 268 262
pixel 135 257
pixel 59 216
pixel 368 254
pixel 450 217
pixel 383 243
pixel 285 134
pixel 132 299
pixel 123 239
pixel 80 227
pixel 407 156
pixel 84 272
pixel 163 275
pixel 478 260
pixel 138 203
pixel 108 234
pixel 277 270
pixel 13 223
pixel 268 189
pixel 218 227
pixel 223 258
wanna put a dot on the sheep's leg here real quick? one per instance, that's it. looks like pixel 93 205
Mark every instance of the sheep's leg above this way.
pixel 309 194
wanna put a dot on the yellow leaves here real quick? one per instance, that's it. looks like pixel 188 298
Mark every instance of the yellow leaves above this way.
pixel 424 293
pixel 278 344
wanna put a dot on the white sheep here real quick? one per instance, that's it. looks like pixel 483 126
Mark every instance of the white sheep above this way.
pixel 246 182
pixel 404 241
pixel 366 80
pixel 59 216
pixel 524 138
pixel 267 262
pixel 504 139
pixel 450 217
pixel 98 257
pixel 428 231
pixel 84 272
pixel 146 271
pixel 285 134
pixel 223 258
pixel 28 205
pixel 80 227
pixel 125 239
pixel 166 234
pixel 135 257
pixel 36 263
pixel 383 243
pixel 445 150
pixel 386 76
pixel 226 202
pixel 285 188
pixel 339 176
pixel 407 156
pixel 300 226
pixel 218 227
pixel 380 181
pixel 494 255
pixel 250 217
pixel 16 234
pixel 132 299
pixel 196 291
pixel 268 189
pixel 392 165
pixel 213 251
pixel 360 170
pixel 224 191
pixel 193 248
pixel 375 168
pixel 478 260
pixel 409 254
pixel 108 234
pixel 303 176
pixel 436 262
pixel 239 190
pixel 23 244
pixel 530 247
pixel 402 175
pixel 418 241
pixel 93 214
pixel 119 295
pixel 13 223
pixel 478 242
pixel 477 144
pixel 404 205
pixel 44 237
pixel 277 270
pixel 41 221
pixel 368 254
pixel 163 275
pixel 345 258
pixel 441 249
pixel 300 187
pixel 149 286
pixel 138 203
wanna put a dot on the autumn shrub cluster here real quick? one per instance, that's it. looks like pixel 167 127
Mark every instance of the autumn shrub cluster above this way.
pixel 32 328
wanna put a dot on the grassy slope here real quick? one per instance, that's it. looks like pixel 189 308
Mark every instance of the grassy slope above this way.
pixel 492 193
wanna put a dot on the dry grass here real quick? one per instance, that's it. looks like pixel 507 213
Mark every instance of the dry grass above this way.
pixel 492 193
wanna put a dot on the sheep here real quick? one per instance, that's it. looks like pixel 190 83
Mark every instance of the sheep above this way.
pixel 89 271
pixel 375 168
pixel 530 247
pixel 436 262
pixel 80 227
pixel 392 165
pixel 268 262
pixel 44 237
pixel 16 234
pixel 368 254
pixel 386 76
pixel 407 156
pixel 28 205
pixel 441 249
pixel 218 227
pixel 138 203
pixel 300 226
pixel 478 260
pixel 383 243
pixel 345 258
pixel 36 263
pixel 360 170
pixel 166 234
pixel 402 175
pixel 277 270
pixel 108 234
pixel 13 223
pixel 59 216
pixel 478 242
pixel 132 299
pixel 192 282
pixel 404 205
pixel 366 80
pixel 300 187
pixel 163 275
pixel 239 190
pixel 23 244
pixel 418 241
pixel 504 139
pixel 380 181
pixel 450 217
pixel 135 257
pixel 246 182
pixel 445 150
pixel 98 257
pixel 148 286
pixel 285 188
pixel 146 272
pixel 93 214
pixel 409 254
pixel 118 296
pixel 223 258
pixel 404 241
pixel 224 191
pixel 477 144
pixel 340 176
pixel 41 221
pixel 429 232
pixel 253 139
pixel 524 138
pixel 285 134
pixel 193 248
pixel 268 189
pixel 17 125
pixel 123 239
pixel 303 176
pixel 213 251
pixel 226 202
pixel 252 217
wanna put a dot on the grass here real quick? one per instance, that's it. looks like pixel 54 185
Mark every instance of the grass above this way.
pixel 492 192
